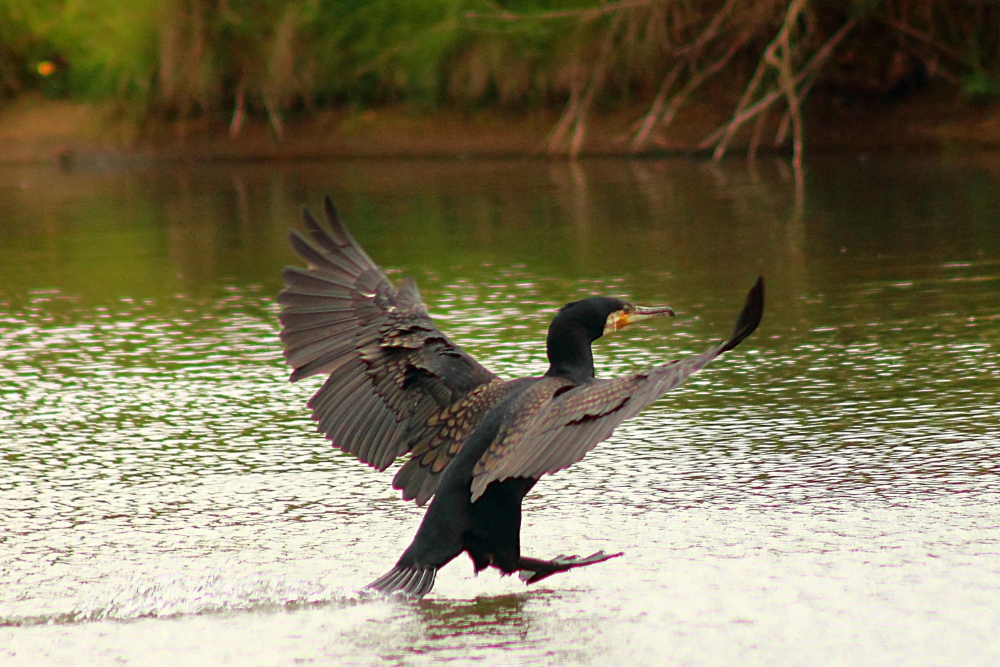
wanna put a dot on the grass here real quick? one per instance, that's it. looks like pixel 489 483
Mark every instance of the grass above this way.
pixel 227 60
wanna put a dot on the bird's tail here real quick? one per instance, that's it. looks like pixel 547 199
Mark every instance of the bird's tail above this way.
pixel 750 316
pixel 410 581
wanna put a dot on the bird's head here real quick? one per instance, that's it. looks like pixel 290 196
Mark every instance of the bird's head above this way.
pixel 601 315
pixel 580 323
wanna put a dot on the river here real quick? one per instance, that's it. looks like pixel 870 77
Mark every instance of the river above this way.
pixel 826 494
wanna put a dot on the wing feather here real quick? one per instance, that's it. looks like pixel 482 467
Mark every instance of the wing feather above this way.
pixel 572 422
pixel 389 368
pixel 361 431
pixel 324 263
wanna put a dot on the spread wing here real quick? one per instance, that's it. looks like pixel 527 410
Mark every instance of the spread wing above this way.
pixel 574 421
pixel 390 369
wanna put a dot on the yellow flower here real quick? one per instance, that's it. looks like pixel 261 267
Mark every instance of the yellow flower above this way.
pixel 45 68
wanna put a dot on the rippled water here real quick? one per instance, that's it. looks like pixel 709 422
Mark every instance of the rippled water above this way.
pixel 826 494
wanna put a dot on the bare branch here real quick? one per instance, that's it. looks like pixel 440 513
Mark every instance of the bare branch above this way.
pixel 659 111
pixel 916 34
pixel 724 132
pixel 576 112
pixel 587 13
pixel 656 109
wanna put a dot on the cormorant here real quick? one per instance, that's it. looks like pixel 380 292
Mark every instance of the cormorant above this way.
pixel 477 444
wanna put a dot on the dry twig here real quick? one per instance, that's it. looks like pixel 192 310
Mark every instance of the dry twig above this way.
pixel 576 111
pixel 662 113
pixel 587 13
pixel 721 136
pixel 778 55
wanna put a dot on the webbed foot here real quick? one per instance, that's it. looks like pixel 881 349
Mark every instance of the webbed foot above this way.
pixel 533 569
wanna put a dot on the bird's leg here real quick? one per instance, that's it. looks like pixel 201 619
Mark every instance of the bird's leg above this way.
pixel 533 569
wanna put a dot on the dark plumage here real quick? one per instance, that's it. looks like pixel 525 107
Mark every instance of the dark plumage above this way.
pixel 477 443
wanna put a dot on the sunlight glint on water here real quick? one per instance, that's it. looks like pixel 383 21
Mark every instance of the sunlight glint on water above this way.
pixel 825 494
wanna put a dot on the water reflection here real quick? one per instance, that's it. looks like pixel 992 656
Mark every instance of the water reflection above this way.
pixel 156 463
pixel 489 626
pixel 497 617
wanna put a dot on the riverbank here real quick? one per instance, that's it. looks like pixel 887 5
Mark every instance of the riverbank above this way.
pixel 36 130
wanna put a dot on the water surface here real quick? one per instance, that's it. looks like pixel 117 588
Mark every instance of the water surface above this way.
pixel 825 494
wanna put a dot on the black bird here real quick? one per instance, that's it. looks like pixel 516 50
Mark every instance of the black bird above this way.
pixel 396 384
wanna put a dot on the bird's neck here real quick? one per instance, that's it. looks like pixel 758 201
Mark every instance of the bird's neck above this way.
pixel 569 354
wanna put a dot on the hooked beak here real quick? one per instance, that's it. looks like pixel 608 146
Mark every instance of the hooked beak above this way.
pixel 641 314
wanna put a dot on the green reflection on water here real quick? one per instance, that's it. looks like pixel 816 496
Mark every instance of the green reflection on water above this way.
pixel 146 412
pixel 663 227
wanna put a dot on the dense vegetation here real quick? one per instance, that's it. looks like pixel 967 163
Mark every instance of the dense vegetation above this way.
pixel 274 58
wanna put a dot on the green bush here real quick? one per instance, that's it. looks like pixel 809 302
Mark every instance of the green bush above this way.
pixel 177 58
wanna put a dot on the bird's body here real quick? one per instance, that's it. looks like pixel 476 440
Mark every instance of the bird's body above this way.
pixel 477 443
